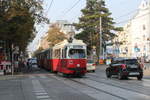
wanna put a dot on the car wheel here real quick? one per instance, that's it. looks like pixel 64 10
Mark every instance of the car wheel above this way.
pixel 108 74
pixel 139 77
pixel 93 70
pixel 120 76
pixel 125 77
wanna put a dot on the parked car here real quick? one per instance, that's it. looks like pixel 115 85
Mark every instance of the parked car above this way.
pixel 33 62
pixel 125 67
pixel 91 66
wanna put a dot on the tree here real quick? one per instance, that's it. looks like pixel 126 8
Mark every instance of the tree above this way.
pixel 55 35
pixel 18 19
pixel 89 24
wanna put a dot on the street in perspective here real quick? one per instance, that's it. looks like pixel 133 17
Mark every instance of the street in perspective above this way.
pixel 74 50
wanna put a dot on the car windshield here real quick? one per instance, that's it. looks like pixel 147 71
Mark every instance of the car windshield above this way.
pixel 90 61
pixel 118 62
pixel 131 61
pixel 77 53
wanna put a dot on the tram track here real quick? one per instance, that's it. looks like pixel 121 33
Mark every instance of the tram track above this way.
pixel 84 84
pixel 117 81
pixel 84 81
pixel 99 89
pixel 110 84
pixel 143 95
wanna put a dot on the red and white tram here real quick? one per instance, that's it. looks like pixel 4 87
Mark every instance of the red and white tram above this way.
pixel 67 58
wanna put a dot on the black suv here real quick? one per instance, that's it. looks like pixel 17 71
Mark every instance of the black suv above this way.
pixel 125 67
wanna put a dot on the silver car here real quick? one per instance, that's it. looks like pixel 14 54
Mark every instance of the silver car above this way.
pixel 91 66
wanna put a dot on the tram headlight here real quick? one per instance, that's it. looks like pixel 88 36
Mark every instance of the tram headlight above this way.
pixel 78 65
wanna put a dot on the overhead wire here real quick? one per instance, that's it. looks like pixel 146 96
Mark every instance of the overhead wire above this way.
pixel 68 10
pixel 49 7
pixel 46 14
pixel 127 14
pixel 133 18
pixel 76 15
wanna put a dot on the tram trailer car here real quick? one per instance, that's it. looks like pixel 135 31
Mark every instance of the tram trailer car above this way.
pixel 44 59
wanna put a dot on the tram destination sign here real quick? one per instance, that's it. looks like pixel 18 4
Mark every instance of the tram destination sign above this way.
pixel 77 47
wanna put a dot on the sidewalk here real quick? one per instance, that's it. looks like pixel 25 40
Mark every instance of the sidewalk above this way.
pixel 146 71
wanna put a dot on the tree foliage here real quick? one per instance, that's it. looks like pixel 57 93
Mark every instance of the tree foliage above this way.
pixel 89 24
pixel 55 35
pixel 18 19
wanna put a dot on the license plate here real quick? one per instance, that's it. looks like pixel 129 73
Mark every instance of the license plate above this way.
pixel 133 66
pixel 134 73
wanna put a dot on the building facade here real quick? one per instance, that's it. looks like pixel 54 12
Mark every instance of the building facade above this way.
pixel 64 26
pixel 136 35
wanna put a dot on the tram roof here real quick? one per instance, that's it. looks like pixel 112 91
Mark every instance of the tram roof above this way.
pixel 66 43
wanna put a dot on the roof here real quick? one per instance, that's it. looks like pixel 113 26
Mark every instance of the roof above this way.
pixel 66 43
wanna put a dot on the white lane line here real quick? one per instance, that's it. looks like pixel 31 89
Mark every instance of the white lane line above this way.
pixel 32 77
pixel 42 76
pixel 46 99
pixel 44 93
pixel 39 91
pixel 42 97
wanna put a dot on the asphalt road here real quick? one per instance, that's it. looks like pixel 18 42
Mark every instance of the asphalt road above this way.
pixel 43 85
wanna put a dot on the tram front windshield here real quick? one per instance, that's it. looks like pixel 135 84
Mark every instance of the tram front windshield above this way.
pixel 77 53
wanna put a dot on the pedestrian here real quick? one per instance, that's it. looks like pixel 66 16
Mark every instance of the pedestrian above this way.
pixel 142 63
pixel 28 65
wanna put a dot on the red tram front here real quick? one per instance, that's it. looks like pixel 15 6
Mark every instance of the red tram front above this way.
pixel 70 58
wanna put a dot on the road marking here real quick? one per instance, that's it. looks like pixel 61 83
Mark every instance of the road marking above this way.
pixel 32 77
pixel 41 76
pixel 98 95
pixel 42 97
pixel 116 90
pixel 39 91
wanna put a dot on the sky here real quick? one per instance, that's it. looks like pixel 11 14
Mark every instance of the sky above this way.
pixel 122 11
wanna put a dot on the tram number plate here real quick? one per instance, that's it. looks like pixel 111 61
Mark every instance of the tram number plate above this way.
pixel 134 73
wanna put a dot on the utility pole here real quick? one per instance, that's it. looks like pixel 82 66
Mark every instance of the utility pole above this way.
pixel 100 33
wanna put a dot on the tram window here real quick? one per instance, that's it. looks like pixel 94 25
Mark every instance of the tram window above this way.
pixel 63 53
pixel 47 55
pixel 77 53
pixel 57 53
